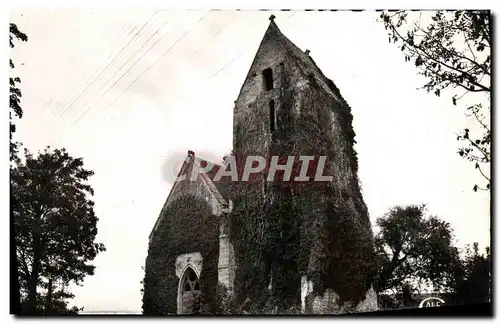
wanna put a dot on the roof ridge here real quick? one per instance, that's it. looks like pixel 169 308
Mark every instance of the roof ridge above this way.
pixel 294 49
pixel 206 160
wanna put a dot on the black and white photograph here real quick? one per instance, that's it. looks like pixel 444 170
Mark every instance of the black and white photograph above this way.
pixel 242 162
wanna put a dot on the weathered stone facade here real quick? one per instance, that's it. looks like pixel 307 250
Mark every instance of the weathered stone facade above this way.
pixel 286 107
pixel 187 235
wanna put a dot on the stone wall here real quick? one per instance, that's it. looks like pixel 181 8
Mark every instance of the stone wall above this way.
pixel 227 263
pixel 328 302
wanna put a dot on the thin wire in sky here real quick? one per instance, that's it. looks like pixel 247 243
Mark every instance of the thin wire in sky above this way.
pixel 215 35
pixel 141 57
pixel 219 32
pixel 78 76
pixel 73 76
pixel 157 60
pixel 110 63
pixel 73 93
pixel 167 52
pixel 237 57
pixel 136 79
pixel 231 61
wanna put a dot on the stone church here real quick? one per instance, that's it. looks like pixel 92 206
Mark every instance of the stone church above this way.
pixel 201 248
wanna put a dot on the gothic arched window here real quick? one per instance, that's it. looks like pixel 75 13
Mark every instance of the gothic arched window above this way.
pixel 190 292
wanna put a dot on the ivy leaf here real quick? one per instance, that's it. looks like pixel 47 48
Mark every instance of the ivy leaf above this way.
pixel 419 61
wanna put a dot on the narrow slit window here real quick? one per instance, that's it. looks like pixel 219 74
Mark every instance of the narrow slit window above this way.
pixel 272 115
pixel 268 79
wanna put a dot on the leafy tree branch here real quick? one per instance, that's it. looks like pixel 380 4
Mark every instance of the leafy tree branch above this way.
pixel 451 50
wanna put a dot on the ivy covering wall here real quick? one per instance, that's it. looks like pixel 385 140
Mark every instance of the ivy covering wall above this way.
pixel 188 227
pixel 282 231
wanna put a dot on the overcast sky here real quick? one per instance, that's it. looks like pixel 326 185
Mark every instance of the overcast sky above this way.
pixel 128 90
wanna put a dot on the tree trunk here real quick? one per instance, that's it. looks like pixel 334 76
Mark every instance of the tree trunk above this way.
pixel 35 271
pixel 15 295
pixel 33 280
pixel 31 304
pixel 48 301
pixel 32 285
pixel 407 296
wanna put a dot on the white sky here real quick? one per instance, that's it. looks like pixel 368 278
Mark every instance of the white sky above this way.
pixel 157 99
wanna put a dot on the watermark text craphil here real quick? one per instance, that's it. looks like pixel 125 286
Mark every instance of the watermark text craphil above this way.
pixel 300 168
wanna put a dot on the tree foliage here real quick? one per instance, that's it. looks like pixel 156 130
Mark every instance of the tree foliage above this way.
pixel 54 301
pixel 55 222
pixel 452 50
pixel 15 93
pixel 413 249
pixel 473 282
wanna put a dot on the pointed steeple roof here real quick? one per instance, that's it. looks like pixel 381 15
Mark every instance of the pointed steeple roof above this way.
pixel 273 32
pixel 309 63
